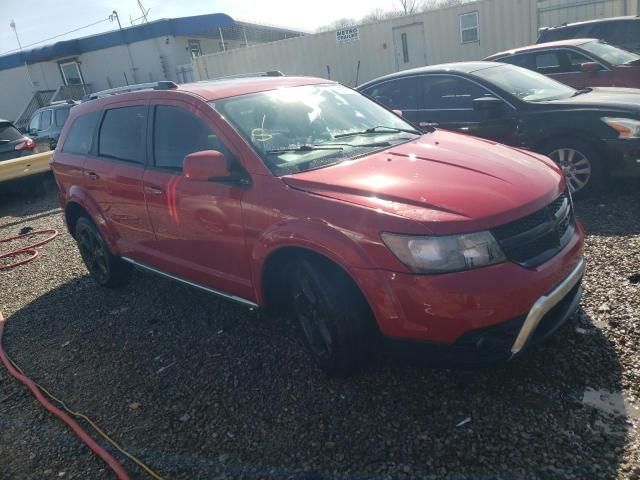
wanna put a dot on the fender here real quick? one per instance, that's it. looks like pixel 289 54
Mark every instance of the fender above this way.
pixel 313 235
pixel 79 195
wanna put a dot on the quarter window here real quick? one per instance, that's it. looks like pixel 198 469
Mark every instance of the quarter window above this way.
pixel 122 134
pixel 80 136
pixel 469 31
pixel 177 133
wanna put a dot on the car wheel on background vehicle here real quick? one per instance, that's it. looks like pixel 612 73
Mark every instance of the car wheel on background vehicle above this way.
pixel 333 315
pixel 580 163
pixel 105 268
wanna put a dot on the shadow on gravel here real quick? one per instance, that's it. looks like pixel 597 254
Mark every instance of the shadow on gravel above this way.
pixel 614 212
pixel 198 387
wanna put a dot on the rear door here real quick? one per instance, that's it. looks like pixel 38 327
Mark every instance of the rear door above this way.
pixel 113 175
pixel 10 138
pixel 199 233
pixel 402 94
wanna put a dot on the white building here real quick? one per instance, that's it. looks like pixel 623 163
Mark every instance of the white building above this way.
pixel 471 31
pixel 158 50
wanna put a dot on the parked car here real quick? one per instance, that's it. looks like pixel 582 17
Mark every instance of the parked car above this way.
pixel 579 63
pixel 20 170
pixel 623 32
pixel 46 124
pixel 300 193
pixel 589 133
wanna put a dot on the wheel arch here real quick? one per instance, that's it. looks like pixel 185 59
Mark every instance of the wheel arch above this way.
pixel 576 134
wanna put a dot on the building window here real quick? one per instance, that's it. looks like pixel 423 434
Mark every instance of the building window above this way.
pixel 469 31
pixel 71 73
pixel 405 48
pixel 194 48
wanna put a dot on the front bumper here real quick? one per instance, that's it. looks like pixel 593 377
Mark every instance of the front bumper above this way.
pixel 623 157
pixel 501 342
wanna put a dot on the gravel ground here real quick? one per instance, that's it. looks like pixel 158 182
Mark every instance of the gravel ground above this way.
pixel 201 388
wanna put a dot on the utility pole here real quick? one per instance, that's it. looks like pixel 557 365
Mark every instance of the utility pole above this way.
pixel 15 30
pixel 114 15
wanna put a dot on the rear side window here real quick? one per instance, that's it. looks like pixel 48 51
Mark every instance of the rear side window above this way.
pixel 548 62
pixel 45 120
pixel 9 133
pixel 122 134
pixel 177 133
pixel 402 93
pixel 80 136
pixel 61 116
pixel 520 60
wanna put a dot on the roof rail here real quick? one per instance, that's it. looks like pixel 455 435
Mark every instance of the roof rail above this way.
pixel 60 102
pixel 272 73
pixel 163 85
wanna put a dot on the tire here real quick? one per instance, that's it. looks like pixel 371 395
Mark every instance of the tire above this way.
pixel 581 164
pixel 105 268
pixel 334 318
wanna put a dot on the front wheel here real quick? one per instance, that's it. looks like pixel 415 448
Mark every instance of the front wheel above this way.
pixel 581 165
pixel 105 268
pixel 333 315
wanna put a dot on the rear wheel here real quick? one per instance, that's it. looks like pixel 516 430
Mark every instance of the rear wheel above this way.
pixel 333 315
pixel 105 268
pixel 580 163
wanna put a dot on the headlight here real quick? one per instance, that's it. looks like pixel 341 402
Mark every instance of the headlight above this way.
pixel 445 254
pixel 626 127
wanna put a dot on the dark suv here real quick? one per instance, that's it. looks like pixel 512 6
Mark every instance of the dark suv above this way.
pixel 623 32
pixel 46 124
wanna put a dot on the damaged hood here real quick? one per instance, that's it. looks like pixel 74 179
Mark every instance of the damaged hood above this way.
pixel 450 182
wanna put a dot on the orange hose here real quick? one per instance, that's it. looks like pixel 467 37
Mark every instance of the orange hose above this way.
pixel 84 436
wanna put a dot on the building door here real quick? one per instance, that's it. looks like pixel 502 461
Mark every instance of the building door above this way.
pixel 409 46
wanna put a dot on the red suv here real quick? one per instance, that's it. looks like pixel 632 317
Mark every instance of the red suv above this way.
pixel 301 195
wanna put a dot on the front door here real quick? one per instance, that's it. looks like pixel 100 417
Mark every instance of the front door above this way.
pixel 449 103
pixel 199 234
pixel 409 46
pixel 113 175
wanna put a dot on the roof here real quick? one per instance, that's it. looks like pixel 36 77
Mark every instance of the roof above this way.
pixel 458 67
pixel 571 42
pixel 184 26
pixel 597 20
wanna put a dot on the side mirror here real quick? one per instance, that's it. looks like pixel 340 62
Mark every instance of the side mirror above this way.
pixel 397 112
pixel 487 103
pixel 590 67
pixel 206 165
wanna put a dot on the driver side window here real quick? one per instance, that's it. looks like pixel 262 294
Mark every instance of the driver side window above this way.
pixel 177 133
pixel 451 93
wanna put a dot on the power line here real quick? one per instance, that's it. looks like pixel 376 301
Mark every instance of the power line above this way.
pixel 56 36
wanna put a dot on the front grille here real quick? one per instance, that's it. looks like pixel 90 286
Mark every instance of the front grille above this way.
pixel 536 238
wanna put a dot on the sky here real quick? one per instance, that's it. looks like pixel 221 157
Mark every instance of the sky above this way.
pixel 37 20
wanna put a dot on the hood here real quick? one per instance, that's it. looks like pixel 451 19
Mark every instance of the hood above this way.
pixel 611 98
pixel 451 182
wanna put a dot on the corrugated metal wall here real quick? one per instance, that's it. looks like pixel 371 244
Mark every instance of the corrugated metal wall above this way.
pixel 434 38
pixel 556 12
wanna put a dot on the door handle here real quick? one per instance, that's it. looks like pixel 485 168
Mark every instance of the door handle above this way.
pixel 154 190
pixel 93 175
pixel 429 124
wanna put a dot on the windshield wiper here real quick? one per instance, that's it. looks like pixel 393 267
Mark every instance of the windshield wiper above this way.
pixel 375 129
pixel 581 91
pixel 301 148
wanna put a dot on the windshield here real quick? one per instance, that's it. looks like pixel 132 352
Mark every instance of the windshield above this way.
pixel 525 84
pixel 296 129
pixel 613 55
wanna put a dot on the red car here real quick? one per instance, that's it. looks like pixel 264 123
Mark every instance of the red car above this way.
pixel 301 195
pixel 584 62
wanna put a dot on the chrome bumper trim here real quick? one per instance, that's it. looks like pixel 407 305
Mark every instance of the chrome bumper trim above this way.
pixel 544 304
